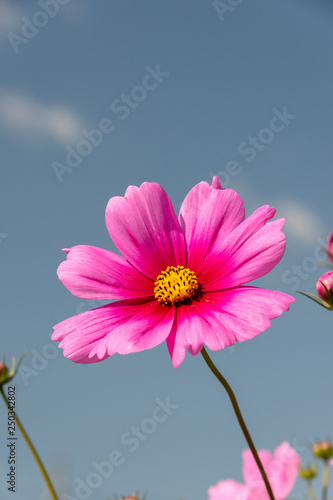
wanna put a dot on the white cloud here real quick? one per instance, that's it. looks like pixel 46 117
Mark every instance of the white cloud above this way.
pixel 302 224
pixel 34 120
pixel 10 16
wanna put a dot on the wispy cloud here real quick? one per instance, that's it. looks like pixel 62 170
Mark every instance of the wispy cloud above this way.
pixel 10 17
pixel 33 120
pixel 302 224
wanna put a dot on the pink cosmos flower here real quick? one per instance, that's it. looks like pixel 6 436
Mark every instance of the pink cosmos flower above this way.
pixel 329 247
pixel 281 468
pixel 179 280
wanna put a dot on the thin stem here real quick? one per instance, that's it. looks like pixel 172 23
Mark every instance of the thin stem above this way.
pixel 32 449
pixel 326 478
pixel 310 489
pixel 240 418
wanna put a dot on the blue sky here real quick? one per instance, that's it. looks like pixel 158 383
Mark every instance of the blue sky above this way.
pixel 221 81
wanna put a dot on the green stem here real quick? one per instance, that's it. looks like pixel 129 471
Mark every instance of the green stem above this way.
pixel 310 489
pixel 32 449
pixel 326 478
pixel 240 418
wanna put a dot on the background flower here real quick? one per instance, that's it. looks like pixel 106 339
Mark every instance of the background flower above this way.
pixel 282 469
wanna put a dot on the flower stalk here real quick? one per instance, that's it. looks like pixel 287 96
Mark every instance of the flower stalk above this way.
pixel 310 489
pixel 326 478
pixel 240 419
pixel 31 447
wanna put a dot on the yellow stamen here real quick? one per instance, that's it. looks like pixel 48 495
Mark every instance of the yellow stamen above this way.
pixel 175 284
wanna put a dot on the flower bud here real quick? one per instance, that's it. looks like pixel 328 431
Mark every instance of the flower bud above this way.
pixel 323 450
pixel 308 472
pixel 329 247
pixel 325 288
pixel 3 372
pixel 5 375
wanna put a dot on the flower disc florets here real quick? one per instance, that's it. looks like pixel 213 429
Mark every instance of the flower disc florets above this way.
pixel 175 284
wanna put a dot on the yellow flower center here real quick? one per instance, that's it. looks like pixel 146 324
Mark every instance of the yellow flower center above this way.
pixel 175 284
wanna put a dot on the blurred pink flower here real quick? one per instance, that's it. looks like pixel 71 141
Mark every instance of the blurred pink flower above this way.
pixel 325 294
pixel 329 247
pixel 281 468
pixel 180 280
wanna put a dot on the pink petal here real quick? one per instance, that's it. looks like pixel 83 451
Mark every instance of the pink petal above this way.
pixel 260 494
pixel 228 490
pixel 124 327
pixel 144 227
pixel 219 319
pixel 194 326
pixel 249 252
pixel 205 212
pixel 216 183
pixel 258 256
pixel 282 470
pixel 97 274
pixel 245 229
pixel 247 310
pixel 251 473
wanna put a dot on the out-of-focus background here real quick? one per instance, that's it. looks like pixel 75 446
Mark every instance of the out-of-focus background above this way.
pixel 179 91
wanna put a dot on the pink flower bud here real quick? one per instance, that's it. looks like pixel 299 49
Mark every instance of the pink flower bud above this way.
pixel 329 247
pixel 326 294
